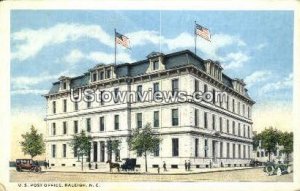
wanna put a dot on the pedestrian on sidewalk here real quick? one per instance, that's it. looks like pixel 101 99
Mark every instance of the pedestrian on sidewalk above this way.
pixel 158 169
pixel 189 165
pixel 185 165
pixel 165 166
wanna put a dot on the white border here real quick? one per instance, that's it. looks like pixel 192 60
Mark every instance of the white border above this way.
pixel 5 8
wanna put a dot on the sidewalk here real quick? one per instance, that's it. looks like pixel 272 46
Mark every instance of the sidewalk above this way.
pixel 150 170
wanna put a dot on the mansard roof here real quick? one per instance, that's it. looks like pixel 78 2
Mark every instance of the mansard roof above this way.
pixel 172 60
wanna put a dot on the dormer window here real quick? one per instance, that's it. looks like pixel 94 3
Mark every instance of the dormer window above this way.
pixel 155 65
pixel 65 85
pixel 108 73
pixel 101 75
pixel 94 77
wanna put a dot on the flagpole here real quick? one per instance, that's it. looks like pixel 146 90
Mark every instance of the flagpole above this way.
pixel 115 48
pixel 195 38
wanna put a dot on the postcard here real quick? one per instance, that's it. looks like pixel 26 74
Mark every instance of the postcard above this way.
pixel 149 95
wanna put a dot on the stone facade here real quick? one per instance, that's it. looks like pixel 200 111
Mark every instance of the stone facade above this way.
pixel 206 133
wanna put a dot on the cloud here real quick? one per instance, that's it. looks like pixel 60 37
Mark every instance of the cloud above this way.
pixel 234 60
pixel 26 84
pixel 261 46
pixel 30 42
pixel 285 83
pixel 257 76
pixel 75 56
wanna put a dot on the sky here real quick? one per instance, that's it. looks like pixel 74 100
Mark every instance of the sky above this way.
pixel 256 46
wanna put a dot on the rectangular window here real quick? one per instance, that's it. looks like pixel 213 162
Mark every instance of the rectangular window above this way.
pixel 88 104
pixel 196 147
pixel 239 151
pixel 75 127
pixel 248 152
pixel 139 91
pixel 155 89
pixel 244 131
pixel 227 125
pixel 76 106
pixel 233 127
pixel 227 102
pixel 196 117
pixel 116 97
pixel 174 117
pixel 94 77
pixel 64 150
pixel 244 151
pixel 75 152
pixel 64 127
pixel 233 150
pixel 205 88
pixel 156 151
pixel 228 150
pixel 221 149
pixel 175 87
pixel 53 128
pixel 175 147
pixel 213 122
pixel 101 123
pixel 53 151
pixel 243 109
pixel 233 106
pixel 221 124
pixel 54 107
pixel 196 86
pixel 116 122
pixel 64 85
pixel 155 65
pixel 205 148
pixel 101 75
pixel 108 73
pixel 139 121
pixel 239 108
pixel 205 120
pixel 248 131
pixel 88 124
pixel 239 129
pixel 65 105
pixel 156 119
pixel 249 112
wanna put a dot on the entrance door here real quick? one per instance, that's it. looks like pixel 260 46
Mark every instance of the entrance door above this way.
pixel 95 147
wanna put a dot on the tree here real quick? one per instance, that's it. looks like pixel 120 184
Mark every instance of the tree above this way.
pixel 82 144
pixel 113 146
pixel 144 141
pixel 33 143
pixel 256 139
pixel 286 140
pixel 270 138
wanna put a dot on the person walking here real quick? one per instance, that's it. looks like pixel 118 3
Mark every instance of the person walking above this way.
pixel 165 166
pixel 189 165
pixel 185 165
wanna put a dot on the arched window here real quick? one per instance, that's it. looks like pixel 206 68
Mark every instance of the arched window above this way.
pixel 257 154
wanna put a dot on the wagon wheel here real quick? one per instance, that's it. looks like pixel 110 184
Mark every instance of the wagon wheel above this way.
pixel 270 170
pixel 278 172
pixel 37 169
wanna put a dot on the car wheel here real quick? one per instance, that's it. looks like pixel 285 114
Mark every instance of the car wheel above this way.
pixel 289 169
pixel 278 172
pixel 270 170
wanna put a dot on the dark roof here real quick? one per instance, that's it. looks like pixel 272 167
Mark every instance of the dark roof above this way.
pixel 172 60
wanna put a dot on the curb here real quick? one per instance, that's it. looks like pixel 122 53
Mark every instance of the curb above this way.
pixel 141 173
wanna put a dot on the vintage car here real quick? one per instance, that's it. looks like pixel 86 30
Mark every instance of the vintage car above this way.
pixel 129 164
pixel 27 164
pixel 271 168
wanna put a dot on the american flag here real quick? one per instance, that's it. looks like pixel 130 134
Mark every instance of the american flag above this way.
pixel 203 32
pixel 122 40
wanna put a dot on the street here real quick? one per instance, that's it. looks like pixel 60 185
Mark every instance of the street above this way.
pixel 247 175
